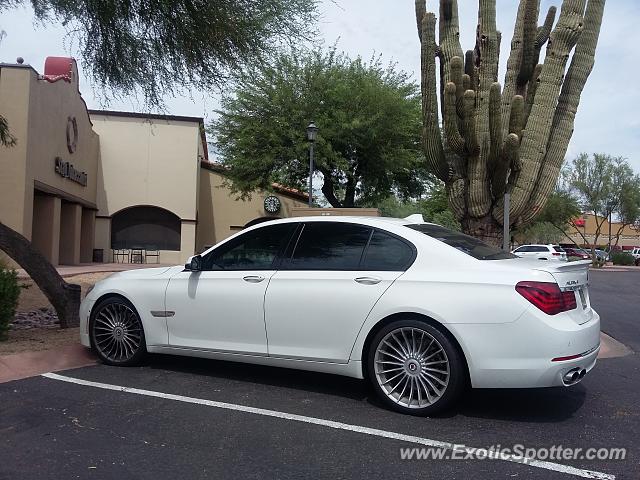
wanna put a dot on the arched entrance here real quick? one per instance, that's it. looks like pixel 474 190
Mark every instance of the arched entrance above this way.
pixel 145 227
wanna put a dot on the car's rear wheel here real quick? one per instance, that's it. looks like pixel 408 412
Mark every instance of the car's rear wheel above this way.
pixel 116 332
pixel 415 368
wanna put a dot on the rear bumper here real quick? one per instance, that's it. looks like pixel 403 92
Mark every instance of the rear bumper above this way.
pixel 519 354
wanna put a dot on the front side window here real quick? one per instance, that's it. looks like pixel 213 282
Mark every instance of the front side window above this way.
pixel 254 250
pixel 465 243
pixel 330 246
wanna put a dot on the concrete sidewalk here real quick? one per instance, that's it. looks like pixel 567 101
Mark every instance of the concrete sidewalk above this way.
pixel 618 268
pixel 29 364
pixel 71 270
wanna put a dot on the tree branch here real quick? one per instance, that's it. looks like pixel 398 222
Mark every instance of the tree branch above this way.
pixel 64 297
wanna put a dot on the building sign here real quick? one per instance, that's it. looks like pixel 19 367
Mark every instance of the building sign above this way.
pixel 67 170
pixel 72 134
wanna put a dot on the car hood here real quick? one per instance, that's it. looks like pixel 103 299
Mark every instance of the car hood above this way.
pixel 148 272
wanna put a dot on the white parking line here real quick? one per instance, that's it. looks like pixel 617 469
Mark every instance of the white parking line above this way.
pixel 556 467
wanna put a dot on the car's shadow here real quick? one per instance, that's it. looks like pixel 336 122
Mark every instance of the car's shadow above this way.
pixel 539 405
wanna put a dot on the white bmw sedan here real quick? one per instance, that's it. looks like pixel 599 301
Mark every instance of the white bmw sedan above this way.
pixel 418 310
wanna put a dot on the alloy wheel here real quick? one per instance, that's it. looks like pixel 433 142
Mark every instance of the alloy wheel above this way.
pixel 117 332
pixel 411 367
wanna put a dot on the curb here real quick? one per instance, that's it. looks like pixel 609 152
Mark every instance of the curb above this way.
pixel 28 364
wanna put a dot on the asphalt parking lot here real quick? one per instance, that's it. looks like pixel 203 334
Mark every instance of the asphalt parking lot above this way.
pixel 192 418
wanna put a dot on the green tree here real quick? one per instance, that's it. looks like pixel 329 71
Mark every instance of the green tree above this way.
pixel 555 220
pixel 160 47
pixel 628 211
pixel 512 139
pixel 433 206
pixel 540 232
pixel 601 183
pixel 368 117
pixel 155 48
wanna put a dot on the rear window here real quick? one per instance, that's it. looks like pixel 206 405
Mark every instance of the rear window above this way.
pixel 469 245
pixel 558 248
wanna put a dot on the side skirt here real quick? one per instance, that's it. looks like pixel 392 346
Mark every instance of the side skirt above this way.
pixel 351 369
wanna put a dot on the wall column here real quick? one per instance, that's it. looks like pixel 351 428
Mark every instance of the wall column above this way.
pixel 45 230
pixel 87 235
pixel 70 229
pixel 187 239
pixel 102 237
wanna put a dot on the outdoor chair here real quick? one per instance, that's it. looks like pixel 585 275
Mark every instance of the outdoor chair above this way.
pixel 152 252
pixel 121 255
pixel 137 255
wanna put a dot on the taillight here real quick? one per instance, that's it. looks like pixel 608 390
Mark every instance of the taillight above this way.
pixel 547 296
pixel 556 254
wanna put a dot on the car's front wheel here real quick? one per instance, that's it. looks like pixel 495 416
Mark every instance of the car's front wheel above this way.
pixel 415 368
pixel 116 332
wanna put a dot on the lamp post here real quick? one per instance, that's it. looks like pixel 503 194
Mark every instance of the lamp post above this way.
pixel 506 236
pixel 312 133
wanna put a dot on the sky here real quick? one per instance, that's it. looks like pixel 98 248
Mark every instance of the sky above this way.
pixel 608 119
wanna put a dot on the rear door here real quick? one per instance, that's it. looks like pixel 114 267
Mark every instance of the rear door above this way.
pixel 322 293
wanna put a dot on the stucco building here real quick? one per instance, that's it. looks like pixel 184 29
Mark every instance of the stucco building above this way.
pixel 81 184
pixel 587 225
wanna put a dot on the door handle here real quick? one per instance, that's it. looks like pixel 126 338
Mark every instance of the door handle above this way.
pixel 253 278
pixel 368 280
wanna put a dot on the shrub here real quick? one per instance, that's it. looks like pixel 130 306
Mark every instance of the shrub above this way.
pixel 9 293
pixel 622 258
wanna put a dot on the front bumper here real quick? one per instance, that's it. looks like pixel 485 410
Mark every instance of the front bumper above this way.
pixel 85 312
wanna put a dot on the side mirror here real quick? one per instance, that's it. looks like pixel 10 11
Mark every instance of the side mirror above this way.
pixel 194 264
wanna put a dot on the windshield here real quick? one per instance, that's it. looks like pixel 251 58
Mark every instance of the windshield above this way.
pixel 469 245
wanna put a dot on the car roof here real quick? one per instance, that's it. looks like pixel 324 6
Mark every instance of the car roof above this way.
pixel 372 221
pixel 539 245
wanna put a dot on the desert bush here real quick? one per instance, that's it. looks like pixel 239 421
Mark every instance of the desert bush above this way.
pixel 9 293
pixel 622 258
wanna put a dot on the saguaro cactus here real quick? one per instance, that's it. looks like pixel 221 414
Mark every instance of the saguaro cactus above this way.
pixel 513 139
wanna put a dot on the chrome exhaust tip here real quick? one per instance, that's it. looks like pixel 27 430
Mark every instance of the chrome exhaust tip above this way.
pixel 573 376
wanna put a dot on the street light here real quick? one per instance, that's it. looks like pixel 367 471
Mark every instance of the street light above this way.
pixel 312 133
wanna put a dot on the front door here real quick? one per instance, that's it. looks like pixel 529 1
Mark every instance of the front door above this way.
pixel 222 307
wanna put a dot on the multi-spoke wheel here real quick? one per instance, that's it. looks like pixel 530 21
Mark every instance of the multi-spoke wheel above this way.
pixel 116 332
pixel 414 367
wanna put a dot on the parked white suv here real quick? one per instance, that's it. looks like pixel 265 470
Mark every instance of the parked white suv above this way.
pixel 541 252
pixel 636 255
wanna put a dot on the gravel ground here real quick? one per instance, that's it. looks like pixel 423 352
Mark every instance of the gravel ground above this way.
pixel 32 298
pixel 36 326
pixel 36 339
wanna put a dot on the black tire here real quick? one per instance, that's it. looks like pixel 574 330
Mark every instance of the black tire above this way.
pixel 116 332
pixel 456 371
